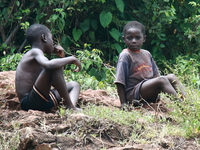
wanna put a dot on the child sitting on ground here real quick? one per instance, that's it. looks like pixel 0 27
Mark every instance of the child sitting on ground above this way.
pixel 36 74
pixel 137 76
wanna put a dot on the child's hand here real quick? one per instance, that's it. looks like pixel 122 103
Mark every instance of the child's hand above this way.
pixel 59 51
pixel 78 64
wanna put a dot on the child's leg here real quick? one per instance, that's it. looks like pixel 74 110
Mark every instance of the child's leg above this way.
pixel 55 78
pixel 74 91
pixel 151 88
pixel 176 84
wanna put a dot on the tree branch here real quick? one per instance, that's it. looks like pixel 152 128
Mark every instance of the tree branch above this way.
pixel 11 35
pixel 22 46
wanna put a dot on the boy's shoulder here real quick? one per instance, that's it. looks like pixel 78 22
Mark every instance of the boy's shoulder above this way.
pixel 35 51
pixel 144 50
pixel 31 54
pixel 126 51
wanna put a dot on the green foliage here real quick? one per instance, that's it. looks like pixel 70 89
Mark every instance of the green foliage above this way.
pixel 94 74
pixel 4 48
pixel 187 68
pixel 76 34
pixel 25 25
pixel 193 32
pixel 10 62
pixel 172 26
pixel 120 5
pixel 187 113
pixel 115 34
pixel 105 18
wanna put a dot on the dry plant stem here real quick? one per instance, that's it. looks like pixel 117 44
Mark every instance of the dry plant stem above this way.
pixel 156 114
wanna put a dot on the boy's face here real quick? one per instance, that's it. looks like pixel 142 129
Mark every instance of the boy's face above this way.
pixel 134 38
pixel 49 44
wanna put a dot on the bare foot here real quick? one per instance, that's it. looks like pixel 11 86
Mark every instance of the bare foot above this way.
pixel 77 109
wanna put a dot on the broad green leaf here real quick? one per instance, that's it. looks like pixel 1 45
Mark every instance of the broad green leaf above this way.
pixel 5 11
pixel 4 45
pixel 54 17
pixel 85 25
pixel 118 48
pixel 120 5
pixel 12 50
pixel 66 41
pixel 88 81
pixel 162 45
pixel 189 7
pixel 87 64
pixel 76 34
pixel 92 35
pixel 18 3
pixel 105 18
pixel 94 24
pixel 115 34
pixel 93 71
pixel 167 14
pixel 40 16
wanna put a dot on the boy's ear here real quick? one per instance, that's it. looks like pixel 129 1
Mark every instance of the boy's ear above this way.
pixel 144 39
pixel 123 38
pixel 44 38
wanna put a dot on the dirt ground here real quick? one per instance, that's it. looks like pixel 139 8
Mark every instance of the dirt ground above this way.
pixel 49 131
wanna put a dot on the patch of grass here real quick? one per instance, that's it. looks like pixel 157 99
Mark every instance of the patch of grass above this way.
pixel 183 121
pixel 112 114
pixel 187 113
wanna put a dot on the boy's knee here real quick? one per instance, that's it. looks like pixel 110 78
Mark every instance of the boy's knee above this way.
pixel 163 80
pixel 74 84
pixel 171 77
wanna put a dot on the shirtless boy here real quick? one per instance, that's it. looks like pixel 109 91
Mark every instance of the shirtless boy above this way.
pixel 36 74
pixel 137 76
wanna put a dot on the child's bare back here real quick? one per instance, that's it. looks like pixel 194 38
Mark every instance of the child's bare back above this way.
pixel 35 74
pixel 26 74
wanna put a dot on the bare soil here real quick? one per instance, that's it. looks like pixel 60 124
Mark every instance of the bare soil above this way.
pixel 38 130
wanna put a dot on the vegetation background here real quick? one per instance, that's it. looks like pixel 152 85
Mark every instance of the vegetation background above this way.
pixel 172 29
pixel 91 30
pixel 173 26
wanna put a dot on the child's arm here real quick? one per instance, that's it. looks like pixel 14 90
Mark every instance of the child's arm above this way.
pixel 121 93
pixel 155 68
pixel 55 63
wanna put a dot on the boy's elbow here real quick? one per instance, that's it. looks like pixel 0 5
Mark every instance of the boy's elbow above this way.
pixel 49 66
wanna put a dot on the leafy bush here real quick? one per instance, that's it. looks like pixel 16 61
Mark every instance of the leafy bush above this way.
pixel 186 68
pixel 10 62
pixel 95 74
pixel 172 26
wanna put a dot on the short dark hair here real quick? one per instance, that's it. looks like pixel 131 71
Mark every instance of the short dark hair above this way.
pixel 35 31
pixel 134 24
